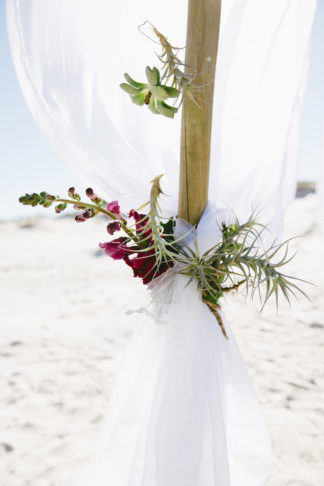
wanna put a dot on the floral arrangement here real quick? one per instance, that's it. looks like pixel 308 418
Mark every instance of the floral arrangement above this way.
pixel 149 244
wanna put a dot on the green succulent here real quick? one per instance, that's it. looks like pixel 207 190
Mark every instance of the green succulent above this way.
pixel 153 93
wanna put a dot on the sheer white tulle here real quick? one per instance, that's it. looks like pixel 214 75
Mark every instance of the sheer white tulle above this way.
pixel 183 412
pixel 70 56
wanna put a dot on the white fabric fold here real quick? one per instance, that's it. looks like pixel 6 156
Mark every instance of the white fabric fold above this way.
pixel 184 412
pixel 70 56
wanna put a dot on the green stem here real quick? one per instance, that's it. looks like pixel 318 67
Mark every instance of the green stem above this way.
pixel 122 222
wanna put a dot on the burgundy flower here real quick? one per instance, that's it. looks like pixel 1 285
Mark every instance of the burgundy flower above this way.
pixel 113 227
pixel 141 221
pixel 143 263
pixel 144 266
pixel 114 208
pixel 116 249
pixel 134 214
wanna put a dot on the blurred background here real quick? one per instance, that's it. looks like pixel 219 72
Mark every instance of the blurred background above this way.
pixel 67 312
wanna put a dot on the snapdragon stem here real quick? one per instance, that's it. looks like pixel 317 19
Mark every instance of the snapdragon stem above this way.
pixel 122 222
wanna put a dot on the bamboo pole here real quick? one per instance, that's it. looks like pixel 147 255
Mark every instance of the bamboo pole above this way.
pixel 201 52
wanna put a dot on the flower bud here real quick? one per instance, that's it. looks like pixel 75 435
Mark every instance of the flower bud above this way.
pixel 113 227
pixel 47 203
pixel 87 214
pixel 91 195
pixel 60 207
pixel 73 194
pixel 35 199
pixel 80 218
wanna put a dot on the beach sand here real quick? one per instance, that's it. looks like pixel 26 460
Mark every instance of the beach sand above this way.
pixel 68 312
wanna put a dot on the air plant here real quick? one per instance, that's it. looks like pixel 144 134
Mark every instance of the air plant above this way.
pixel 153 94
pixel 237 260
pixel 176 82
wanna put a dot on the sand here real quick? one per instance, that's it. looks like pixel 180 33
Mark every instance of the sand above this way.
pixel 68 312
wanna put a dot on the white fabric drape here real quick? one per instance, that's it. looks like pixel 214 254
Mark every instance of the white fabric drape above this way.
pixel 260 106
pixel 192 418
pixel 70 57
pixel 183 412
pixel 180 416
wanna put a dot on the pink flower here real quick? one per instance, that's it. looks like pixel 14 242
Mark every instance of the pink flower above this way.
pixel 113 227
pixel 113 207
pixel 116 249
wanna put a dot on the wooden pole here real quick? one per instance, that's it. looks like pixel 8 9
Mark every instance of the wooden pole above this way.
pixel 201 52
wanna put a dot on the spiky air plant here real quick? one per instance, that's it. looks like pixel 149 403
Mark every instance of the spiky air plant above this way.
pixel 160 230
pixel 237 260
pixel 169 82
pixel 173 66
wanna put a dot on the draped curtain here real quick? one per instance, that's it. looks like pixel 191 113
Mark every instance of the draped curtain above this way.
pixel 70 56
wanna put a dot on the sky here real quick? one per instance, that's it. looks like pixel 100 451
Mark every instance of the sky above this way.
pixel 28 163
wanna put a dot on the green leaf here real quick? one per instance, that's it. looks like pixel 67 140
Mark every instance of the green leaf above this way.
pixel 165 109
pixel 157 72
pixel 172 92
pixel 139 98
pixel 130 89
pixel 152 77
pixel 168 230
pixel 152 106
pixel 134 83
pixel 160 93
